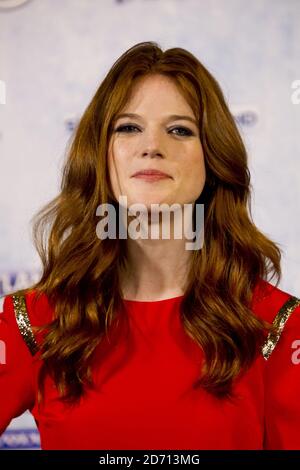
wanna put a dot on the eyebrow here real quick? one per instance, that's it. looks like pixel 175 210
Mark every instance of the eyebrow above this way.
pixel 171 117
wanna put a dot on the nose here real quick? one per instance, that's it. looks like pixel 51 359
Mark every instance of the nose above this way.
pixel 152 145
pixel 152 153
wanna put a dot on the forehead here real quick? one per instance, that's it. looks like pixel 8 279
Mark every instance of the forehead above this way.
pixel 156 91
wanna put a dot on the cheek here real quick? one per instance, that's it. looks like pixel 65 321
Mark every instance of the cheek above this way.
pixel 194 164
pixel 119 157
pixel 115 158
pixel 123 149
pixel 194 175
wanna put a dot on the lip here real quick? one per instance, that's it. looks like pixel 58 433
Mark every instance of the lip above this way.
pixel 151 177
pixel 151 174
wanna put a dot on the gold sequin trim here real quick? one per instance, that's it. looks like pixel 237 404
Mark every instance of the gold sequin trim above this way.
pixel 23 323
pixel 280 320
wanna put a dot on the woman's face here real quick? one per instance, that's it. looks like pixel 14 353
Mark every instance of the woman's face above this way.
pixel 155 137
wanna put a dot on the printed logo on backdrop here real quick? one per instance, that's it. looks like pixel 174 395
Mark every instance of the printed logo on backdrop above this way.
pixel 15 280
pixel 71 123
pixel 20 439
pixel 245 116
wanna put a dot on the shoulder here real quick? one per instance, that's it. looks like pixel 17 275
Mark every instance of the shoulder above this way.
pixel 20 314
pixel 282 310
pixel 267 300
pixel 36 304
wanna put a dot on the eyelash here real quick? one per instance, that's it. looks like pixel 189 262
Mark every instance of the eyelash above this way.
pixel 188 131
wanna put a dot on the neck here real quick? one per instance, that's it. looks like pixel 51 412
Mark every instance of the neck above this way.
pixel 155 269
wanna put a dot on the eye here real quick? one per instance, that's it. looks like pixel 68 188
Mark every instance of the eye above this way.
pixel 184 131
pixel 129 129
pixel 126 128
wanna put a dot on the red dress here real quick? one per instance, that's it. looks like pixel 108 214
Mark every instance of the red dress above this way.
pixel 144 398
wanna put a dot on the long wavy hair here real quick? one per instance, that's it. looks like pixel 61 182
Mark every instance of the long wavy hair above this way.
pixel 80 274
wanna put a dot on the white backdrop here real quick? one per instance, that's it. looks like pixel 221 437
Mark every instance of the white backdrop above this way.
pixel 53 55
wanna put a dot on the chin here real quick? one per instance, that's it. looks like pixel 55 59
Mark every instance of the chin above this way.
pixel 148 203
pixel 147 200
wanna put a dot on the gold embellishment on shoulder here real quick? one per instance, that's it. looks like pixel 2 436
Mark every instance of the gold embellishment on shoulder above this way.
pixel 23 323
pixel 280 320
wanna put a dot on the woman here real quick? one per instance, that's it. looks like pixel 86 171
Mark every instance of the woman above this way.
pixel 140 343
